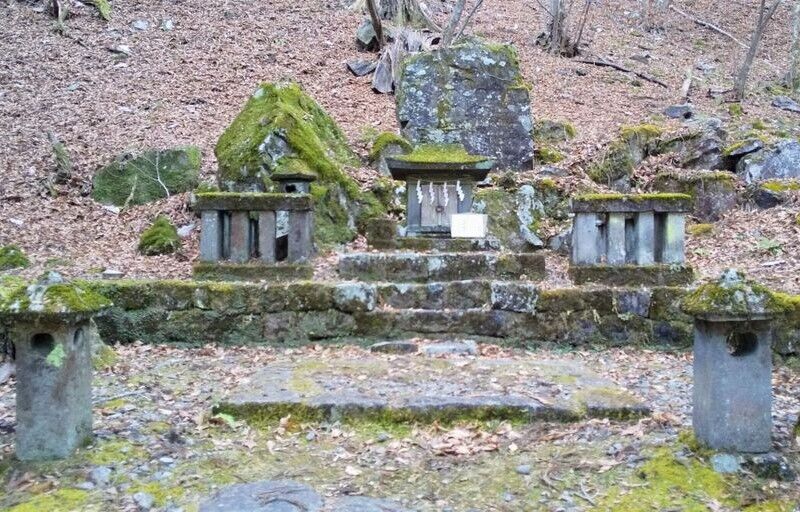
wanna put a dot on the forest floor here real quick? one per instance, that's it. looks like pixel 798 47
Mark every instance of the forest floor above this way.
pixel 184 86
pixel 155 433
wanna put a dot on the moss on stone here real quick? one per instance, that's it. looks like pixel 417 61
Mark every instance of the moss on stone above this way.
pixel 11 257
pixel 624 154
pixel 549 131
pixel 103 357
pixel 779 186
pixel 700 229
pixel 386 139
pixel 636 198
pixel 61 500
pixel 632 275
pixel 548 155
pixel 733 296
pixel 441 153
pixel 147 177
pixel 160 238
pixel 46 298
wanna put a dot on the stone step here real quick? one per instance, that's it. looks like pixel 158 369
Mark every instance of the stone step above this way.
pixel 414 388
pixel 453 266
pixel 470 294
pixel 419 243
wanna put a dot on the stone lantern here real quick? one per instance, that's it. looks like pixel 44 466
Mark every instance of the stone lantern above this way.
pixel 49 323
pixel 294 181
pixel 732 407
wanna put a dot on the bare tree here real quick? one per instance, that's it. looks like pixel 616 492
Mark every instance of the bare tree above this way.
pixel 652 14
pixel 794 67
pixel 765 14
pixel 562 36
pixel 377 25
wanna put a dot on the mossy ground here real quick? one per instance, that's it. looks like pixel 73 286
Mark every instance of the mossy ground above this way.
pixel 11 257
pixel 160 238
pixel 162 439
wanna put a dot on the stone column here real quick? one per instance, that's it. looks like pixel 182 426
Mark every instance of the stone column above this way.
pixel 211 236
pixel 674 231
pixel 54 393
pixel 585 239
pixel 645 238
pixel 300 233
pixel 615 236
pixel 240 237
pixel 266 236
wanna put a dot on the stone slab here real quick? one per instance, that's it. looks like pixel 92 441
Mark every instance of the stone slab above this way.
pixel 659 203
pixel 418 388
pixel 252 272
pixel 631 275
pixel 414 267
pixel 421 243
pixel 252 201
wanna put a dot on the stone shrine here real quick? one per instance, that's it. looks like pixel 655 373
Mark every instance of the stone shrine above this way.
pixel 733 363
pixel 439 182
pixel 642 233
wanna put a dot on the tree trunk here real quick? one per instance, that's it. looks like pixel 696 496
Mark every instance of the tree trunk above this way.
pixel 376 22
pixel 794 68
pixel 450 28
pixel 764 15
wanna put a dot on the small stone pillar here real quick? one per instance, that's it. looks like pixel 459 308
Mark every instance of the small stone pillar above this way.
pixel 49 323
pixel 732 402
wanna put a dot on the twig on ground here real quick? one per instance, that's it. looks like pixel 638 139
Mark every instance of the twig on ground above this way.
pixel 709 26
pixel 605 63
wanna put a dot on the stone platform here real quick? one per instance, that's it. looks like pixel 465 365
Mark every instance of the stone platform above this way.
pixel 416 388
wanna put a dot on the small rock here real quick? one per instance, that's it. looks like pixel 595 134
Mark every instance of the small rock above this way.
pixel 140 25
pixel 685 111
pixel 394 347
pixel 85 486
pixel 16 222
pixel 581 72
pixel 144 500
pixel 383 437
pixel 523 469
pixel 562 242
pixel 185 231
pixel 466 347
pixel 786 103
pixel 111 208
pixel 361 67
pixel 167 25
pixel 166 460
pixel 771 466
pixel 111 273
pixel 121 49
pixel 100 475
pixel 725 463
pixel 311 436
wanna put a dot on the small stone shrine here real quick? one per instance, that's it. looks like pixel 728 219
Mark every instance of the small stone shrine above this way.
pixel 239 237
pixel 618 238
pixel 439 182
pixel 49 324
pixel 733 363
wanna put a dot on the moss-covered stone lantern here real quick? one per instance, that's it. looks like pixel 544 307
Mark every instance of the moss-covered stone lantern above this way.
pixel 439 182
pixel 49 323
pixel 294 181
pixel 733 362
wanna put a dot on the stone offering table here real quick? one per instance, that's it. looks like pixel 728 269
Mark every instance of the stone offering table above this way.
pixel 630 239
pixel 239 238
pixel 439 182
pixel 49 324
pixel 733 362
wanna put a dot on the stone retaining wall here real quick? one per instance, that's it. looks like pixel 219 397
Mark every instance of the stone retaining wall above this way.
pixel 511 313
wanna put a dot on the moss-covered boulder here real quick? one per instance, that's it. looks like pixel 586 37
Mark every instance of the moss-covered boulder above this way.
pixel 160 238
pixel 471 94
pixel 615 166
pixel 155 174
pixel 282 129
pixel 11 257
pixel 387 144
pixel 713 192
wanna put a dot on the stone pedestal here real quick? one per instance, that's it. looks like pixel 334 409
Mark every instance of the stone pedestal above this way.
pixel 54 388
pixel 733 384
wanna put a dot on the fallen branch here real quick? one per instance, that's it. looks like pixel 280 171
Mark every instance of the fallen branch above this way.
pixel 605 63
pixel 709 26
pixel 687 85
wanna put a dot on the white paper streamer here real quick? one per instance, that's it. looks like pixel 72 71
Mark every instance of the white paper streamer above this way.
pixel 419 191
pixel 432 193
pixel 446 190
pixel 459 191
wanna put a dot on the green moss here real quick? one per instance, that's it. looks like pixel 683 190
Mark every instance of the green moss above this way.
pixel 636 198
pixel 386 139
pixel 641 131
pixel 736 297
pixel 56 356
pixel 11 257
pixel 735 110
pixel 162 494
pixel 781 185
pixel 116 453
pixel 624 154
pixel 548 155
pixel 441 153
pixel 62 500
pixel 758 124
pixel 152 175
pixel 553 132
pixel 103 357
pixel 160 238
pixel 700 229
pixel 666 482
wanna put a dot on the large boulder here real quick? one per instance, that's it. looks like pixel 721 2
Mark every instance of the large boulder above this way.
pixel 151 175
pixel 779 162
pixel 713 193
pixel 616 165
pixel 281 129
pixel 471 94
